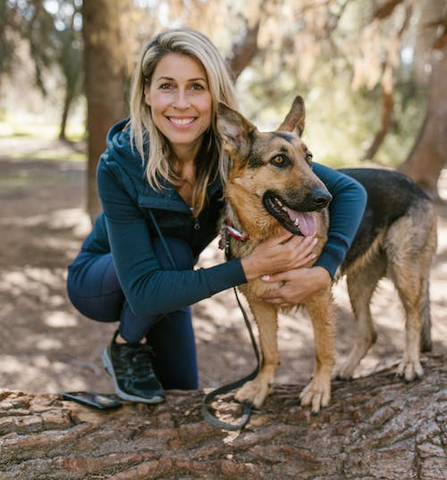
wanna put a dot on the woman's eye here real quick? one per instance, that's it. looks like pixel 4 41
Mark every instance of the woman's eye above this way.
pixel 165 86
pixel 198 86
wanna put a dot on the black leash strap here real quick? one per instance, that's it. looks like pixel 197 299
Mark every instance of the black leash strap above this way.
pixel 210 417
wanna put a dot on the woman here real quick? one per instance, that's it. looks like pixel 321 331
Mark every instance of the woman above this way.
pixel 163 170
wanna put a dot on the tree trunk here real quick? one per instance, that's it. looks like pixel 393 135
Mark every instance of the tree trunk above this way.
pixel 104 63
pixel 246 49
pixel 66 109
pixel 387 117
pixel 428 156
pixel 376 427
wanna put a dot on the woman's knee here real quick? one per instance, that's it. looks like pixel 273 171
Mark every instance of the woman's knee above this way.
pixel 93 287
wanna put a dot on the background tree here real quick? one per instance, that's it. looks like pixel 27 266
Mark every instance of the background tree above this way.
pixel 429 153
pixel 361 65
pixel 69 55
pixel 105 81
pixel 52 33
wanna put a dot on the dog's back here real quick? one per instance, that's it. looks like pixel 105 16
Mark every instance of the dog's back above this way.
pixel 397 239
pixel 391 196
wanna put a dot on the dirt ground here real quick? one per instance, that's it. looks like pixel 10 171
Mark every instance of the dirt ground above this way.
pixel 47 346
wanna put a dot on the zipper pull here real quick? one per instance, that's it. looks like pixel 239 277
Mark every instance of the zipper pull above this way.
pixel 196 220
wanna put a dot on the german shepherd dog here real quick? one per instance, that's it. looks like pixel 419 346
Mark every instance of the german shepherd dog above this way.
pixel 271 187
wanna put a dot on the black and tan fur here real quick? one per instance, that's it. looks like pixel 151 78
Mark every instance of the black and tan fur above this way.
pixel 397 238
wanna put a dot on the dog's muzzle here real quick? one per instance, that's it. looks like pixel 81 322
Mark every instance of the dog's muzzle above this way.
pixel 298 219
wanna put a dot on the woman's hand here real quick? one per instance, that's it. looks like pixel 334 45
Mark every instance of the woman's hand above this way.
pixel 299 285
pixel 278 254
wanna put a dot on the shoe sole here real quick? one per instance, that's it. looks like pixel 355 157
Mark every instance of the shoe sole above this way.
pixel 106 361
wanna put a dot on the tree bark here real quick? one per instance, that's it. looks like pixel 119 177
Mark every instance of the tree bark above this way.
pixel 247 48
pixel 68 98
pixel 105 73
pixel 427 158
pixel 376 427
pixel 387 117
pixel 244 51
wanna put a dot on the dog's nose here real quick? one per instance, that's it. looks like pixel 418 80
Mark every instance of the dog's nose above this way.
pixel 321 197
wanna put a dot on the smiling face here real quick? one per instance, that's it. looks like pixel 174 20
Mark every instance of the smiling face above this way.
pixel 180 101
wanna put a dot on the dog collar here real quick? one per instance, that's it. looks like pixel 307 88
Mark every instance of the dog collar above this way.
pixel 236 234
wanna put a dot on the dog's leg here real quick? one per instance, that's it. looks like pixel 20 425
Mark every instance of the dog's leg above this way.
pixel 256 390
pixel 411 291
pixel 317 393
pixel 410 248
pixel 361 284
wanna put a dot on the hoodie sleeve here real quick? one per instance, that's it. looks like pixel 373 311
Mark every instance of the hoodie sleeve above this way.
pixel 345 211
pixel 149 289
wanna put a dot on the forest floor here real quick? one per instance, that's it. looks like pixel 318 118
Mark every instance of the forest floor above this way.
pixel 46 346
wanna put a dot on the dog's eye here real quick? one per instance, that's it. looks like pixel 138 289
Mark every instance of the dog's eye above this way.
pixel 279 161
pixel 309 157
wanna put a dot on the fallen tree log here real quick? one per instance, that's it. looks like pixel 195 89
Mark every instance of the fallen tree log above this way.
pixel 376 427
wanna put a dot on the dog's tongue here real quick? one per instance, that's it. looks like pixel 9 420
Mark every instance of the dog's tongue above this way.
pixel 307 222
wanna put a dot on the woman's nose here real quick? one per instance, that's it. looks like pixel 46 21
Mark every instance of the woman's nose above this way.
pixel 181 100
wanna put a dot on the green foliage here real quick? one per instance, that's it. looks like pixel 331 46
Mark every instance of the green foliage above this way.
pixel 326 40
pixel 340 123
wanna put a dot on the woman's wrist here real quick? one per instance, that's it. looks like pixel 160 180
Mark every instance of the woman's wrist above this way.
pixel 249 267
pixel 323 277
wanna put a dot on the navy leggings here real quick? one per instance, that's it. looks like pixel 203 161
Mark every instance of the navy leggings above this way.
pixel 94 290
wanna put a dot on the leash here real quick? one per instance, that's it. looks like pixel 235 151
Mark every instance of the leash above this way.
pixel 248 407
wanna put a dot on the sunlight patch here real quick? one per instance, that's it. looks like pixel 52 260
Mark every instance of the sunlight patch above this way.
pixel 60 319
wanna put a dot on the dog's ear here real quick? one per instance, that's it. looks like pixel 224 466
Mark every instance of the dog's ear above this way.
pixel 235 130
pixel 294 120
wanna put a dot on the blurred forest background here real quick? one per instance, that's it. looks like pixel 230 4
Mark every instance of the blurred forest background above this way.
pixel 373 74
pixel 372 71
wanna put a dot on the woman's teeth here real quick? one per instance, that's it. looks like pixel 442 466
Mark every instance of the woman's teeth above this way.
pixel 181 121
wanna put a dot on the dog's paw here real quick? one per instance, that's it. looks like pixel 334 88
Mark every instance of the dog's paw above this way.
pixel 316 394
pixel 344 372
pixel 409 370
pixel 254 392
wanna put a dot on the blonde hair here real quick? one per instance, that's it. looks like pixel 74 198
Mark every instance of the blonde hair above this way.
pixel 150 142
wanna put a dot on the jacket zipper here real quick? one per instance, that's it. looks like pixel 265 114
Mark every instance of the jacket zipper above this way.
pixel 196 220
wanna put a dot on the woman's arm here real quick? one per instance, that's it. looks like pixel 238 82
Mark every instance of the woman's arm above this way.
pixel 345 215
pixel 149 289
pixel 345 212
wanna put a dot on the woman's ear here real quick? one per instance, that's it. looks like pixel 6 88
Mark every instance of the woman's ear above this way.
pixel 147 96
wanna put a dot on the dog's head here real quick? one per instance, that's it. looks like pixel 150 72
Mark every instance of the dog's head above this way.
pixel 271 172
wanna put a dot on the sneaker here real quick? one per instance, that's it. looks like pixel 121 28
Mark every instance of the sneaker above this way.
pixel 130 366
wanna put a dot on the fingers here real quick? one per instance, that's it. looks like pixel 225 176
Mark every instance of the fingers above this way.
pixel 307 246
pixel 281 239
pixel 301 250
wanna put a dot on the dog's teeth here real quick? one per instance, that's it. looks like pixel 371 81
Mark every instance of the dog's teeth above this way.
pixel 296 223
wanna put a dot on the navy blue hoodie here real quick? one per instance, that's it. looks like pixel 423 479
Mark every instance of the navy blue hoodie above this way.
pixel 125 228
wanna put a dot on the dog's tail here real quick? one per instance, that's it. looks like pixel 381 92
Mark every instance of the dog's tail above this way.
pixel 426 343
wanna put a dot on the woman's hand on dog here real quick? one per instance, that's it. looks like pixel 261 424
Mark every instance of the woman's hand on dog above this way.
pixel 299 285
pixel 279 254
